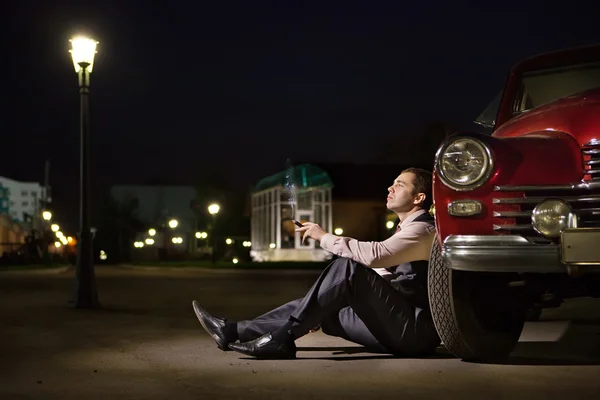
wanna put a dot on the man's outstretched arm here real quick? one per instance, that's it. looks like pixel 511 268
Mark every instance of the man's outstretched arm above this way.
pixel 412 243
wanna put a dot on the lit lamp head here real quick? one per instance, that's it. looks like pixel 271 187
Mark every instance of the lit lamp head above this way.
pixel 213 209
pixel 83 50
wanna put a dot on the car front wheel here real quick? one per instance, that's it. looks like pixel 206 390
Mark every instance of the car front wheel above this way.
pixel 478 315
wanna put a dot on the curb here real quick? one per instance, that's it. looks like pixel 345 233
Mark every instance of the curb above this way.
pixel 220 270
pixel 36 271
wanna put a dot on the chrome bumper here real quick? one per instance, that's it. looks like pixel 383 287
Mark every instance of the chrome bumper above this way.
pixel 504 253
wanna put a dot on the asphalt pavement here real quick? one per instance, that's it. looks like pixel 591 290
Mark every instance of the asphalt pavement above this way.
pixel 145 343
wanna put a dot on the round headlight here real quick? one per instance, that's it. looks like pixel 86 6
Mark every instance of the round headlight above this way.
pixel 464 163
pixel 552 216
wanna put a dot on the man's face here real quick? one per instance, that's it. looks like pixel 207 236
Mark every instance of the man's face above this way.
pixel 401 195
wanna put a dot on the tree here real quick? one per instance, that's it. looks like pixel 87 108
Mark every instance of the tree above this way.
pixel 117 226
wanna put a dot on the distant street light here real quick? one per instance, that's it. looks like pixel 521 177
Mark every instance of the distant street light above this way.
pixel 213 209
pixel 86 295
pixel 152 232
pixel 54 227
pixel 47 215
pixel 173 223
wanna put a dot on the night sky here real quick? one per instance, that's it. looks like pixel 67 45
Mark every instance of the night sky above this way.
pixel 182 89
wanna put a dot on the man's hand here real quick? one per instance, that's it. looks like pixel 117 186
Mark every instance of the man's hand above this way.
pixel 312 231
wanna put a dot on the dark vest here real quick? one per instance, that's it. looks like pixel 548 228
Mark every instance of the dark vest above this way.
pixel 411 278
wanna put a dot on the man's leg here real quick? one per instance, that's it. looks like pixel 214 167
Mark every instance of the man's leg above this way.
pixel 327 296
pixel 384 311
pixel 347 325
pixel 400 327
pixel 268 322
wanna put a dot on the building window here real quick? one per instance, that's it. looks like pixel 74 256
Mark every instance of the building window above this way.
pixel 25 204
pixel 4 204
pixel 24 193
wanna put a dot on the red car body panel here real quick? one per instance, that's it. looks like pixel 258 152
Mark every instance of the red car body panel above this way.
pixel 539 147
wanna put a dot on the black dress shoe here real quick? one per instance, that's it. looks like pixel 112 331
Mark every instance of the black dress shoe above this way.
pixel 216 327
pixel 266 347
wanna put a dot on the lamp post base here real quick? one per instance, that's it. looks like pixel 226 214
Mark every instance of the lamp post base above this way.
pixel 85 293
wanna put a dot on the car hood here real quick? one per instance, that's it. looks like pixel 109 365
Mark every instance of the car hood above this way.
pixel 577 115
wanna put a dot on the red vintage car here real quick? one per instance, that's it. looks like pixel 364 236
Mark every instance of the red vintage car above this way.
pixel 518 209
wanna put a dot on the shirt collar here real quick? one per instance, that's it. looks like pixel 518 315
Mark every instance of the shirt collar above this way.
pixel 411 218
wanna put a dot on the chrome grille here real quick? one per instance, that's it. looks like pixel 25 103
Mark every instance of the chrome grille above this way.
pixel 513 214
pixel 591 161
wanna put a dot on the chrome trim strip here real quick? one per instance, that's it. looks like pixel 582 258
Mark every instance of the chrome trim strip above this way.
pixel 591 151
pixel 513 227
pixel 592 162
pixel 570 186
pixel 537 199
pixel 503 253
pixel 510 214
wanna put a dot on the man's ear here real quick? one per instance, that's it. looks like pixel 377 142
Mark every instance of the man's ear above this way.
pixel 419 198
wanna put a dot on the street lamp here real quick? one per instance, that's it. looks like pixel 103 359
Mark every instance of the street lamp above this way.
pixel 47 215
pixel 173 223
pixel 213 209
pixel 86 295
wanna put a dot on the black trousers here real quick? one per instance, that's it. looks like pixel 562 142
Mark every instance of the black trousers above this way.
pixel 352 301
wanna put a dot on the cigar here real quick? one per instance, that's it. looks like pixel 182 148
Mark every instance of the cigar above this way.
pixel 298 224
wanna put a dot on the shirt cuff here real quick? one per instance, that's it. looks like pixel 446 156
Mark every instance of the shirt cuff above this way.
pixel 327 242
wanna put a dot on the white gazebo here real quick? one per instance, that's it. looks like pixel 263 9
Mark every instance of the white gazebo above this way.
pixel 301 193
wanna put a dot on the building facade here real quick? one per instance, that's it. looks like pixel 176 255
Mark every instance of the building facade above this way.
pixel 301 193
pixel 21 201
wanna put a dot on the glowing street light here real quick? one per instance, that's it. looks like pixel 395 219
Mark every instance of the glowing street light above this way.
pixel 54 227
pixel 389 225
pixel 338 231
pixel 82 51
pixel 149 241
pixel 86 296
pixel 173 223
pixel 47 215
pixel 213 209
pixel 151 231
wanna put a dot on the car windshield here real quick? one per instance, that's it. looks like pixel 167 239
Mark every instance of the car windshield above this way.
pixel 544 86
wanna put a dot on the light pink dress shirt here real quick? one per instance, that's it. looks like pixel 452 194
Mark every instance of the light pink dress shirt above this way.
pixel 411 243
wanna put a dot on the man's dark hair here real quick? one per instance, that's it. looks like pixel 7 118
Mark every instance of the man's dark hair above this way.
pixel 423 184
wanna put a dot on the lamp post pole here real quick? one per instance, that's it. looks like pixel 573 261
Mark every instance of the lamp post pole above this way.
pixel 86 294
pixel 213 210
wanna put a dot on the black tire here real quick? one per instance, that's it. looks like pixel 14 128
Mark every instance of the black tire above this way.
pixel 477 315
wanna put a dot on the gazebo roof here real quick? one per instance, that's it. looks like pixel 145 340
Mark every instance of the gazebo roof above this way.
pixel 303 176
